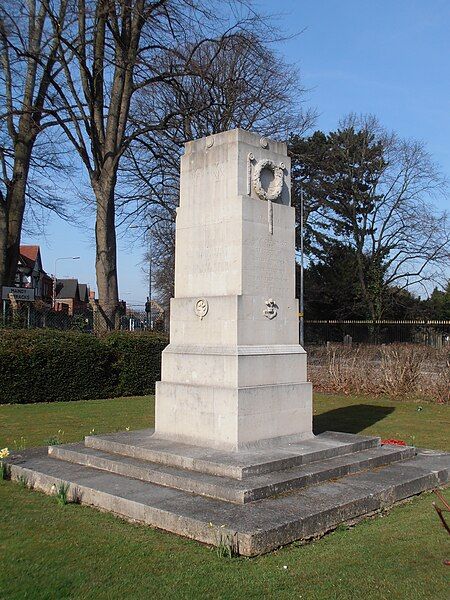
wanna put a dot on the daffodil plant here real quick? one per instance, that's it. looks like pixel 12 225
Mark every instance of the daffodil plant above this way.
pixel 4 453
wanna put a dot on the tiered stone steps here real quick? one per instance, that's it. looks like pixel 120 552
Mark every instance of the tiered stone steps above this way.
pixel 249 489
pixel 237 465
pixel 257 500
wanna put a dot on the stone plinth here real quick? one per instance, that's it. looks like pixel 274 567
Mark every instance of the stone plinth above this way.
pixel 234 375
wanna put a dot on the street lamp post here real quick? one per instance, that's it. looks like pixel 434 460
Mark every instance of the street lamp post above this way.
pixel 149 254
pixel 54 276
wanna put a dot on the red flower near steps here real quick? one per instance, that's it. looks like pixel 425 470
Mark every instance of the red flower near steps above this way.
pixel 393 443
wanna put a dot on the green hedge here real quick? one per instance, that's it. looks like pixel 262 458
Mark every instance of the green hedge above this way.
pixel 48 365
pixel 137 361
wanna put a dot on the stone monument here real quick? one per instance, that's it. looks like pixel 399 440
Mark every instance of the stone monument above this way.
pixel 234 374
pixel 233 459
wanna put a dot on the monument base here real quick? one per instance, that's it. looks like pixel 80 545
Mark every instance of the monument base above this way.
pixel 234 397
pixel 254 500
pixel 234 418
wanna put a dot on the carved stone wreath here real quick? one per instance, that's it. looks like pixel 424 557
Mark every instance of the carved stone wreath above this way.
pixel 276 186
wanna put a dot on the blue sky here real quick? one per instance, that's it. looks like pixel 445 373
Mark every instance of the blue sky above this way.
pixel 388 58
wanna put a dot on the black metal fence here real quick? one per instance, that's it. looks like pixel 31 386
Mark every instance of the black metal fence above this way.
pixel 431 333
pixel 32 315
pixel 137 319
pixel 319 332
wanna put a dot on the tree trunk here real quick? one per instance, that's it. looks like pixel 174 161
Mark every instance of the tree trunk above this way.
pixel 12 212
pixel 106 251
pixel 3 241
pixel 362 280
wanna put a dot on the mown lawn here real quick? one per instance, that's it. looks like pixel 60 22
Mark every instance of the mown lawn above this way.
pixel 426 425
pixel 52 552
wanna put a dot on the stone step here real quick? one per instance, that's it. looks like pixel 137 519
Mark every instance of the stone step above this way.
pixel 250 489
pixel 236 465
pixel 252 528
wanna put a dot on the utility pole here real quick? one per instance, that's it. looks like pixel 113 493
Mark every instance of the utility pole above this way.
pixel 302 305
pixel 149 251
pixel 148 304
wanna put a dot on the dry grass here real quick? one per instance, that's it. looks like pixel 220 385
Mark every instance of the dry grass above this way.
pixel 398 370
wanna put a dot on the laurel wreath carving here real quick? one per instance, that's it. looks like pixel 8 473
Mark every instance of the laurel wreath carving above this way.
pixel 276 186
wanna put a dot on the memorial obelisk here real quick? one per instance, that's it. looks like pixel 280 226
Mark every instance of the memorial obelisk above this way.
pixel 234 374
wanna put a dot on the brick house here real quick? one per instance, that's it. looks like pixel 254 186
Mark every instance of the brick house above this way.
pixel 71 297
pixel 30 273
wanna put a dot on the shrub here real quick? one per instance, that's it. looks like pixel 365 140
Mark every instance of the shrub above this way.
pixel 137 361
pixel 47 365
pixel 398 370
pixel 401 366
pixel 435 380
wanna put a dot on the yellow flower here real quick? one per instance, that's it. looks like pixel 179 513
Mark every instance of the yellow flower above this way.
pixel 4 453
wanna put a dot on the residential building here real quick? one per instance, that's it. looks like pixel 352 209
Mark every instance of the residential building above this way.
pixel 71 297
pixel 30 273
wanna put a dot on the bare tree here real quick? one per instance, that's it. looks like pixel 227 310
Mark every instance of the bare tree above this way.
pixel 115 49
pixel 27 148
pixel 368 188
pixel 236 80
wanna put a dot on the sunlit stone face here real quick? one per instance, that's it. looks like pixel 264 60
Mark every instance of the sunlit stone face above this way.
pixel 234 374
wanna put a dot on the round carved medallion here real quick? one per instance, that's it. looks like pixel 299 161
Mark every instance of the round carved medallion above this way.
pixel 273 191
pixel 201 307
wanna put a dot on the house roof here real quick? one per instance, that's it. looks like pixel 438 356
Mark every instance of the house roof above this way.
pixel 67 288
pixel 30 257
pixel 70 288
pixel 30 252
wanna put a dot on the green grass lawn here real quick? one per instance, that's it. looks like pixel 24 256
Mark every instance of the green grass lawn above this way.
pixel 425 425
pixel 52 552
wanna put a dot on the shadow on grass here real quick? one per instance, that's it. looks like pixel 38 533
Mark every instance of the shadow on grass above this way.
pixel 350 419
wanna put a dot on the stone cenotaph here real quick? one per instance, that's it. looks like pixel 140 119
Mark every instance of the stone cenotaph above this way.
pixel 234 374
pixel 233 460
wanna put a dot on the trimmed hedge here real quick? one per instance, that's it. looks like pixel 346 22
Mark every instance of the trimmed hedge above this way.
pixel 137 361
pixel 46 365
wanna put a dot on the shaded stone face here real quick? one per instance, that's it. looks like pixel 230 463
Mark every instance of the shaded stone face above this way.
pixel 234 374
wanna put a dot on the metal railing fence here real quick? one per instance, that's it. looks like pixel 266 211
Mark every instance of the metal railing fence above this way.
pixel 39 316
pixel 429 332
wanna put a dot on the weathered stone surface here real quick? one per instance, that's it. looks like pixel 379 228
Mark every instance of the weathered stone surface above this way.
pixel 253 528
pixel 234 374
pixel 236 465
pixel 232 490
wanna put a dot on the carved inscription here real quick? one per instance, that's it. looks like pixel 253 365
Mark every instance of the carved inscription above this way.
pixel 218 171
pixel 203 177
pixel 269 265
